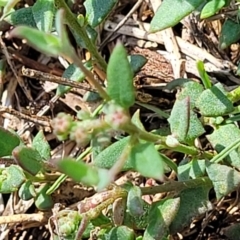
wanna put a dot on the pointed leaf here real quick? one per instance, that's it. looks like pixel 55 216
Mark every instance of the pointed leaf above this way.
pixel 41 145
pixel 172 12
pixel 135 204
pixel 193 203
pixel 98 10
pixel 43 13
pixel 79 171
pixel 161 215
pixel 213 102
pixel 222 137
pixel 109 156
pixel 147 161
pixel 230 33
pixel 211 8
pixel 137 62
pixel 22 16
pixel 44 42
pixel 43 201
pixel 203 74
pixel 120 78
pixel 190 89
pixel 28 158
pixel 8 141
pixel 73 73
pixel 225 179
pixel 179 119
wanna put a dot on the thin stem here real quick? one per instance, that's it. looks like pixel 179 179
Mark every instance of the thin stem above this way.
pixel 177 186
pixel 90 78
pixel 81 31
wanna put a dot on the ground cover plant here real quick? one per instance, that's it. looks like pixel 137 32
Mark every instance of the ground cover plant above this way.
pixel 134 179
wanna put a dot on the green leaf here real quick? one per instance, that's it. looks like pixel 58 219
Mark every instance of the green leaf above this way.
pixel 213 102
pixel 41 145
pixel 179 119
pixel 8 141
pixel 28 158
pixel 73 73
pixel 27 191
pixel 98 10
pixel 225 179
pixel 109 156
pixel 43 201
pixel 11 179
pixel 79 171
pixel 211 8
pixel 135 204
pixel 161 215
pixel 193 203
pixel 194 169
pixel 121 233
pixel 43 13
pixel 230 33
pixel 120 78
pixel 172 12
pixel 22 16
pixel 137 62
pixel 190 89
pixel 147 161
pixel 222 137
pixel 44 42
pixel 203 74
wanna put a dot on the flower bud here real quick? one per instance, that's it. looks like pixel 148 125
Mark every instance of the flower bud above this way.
pixel 116 116
pixel 62 124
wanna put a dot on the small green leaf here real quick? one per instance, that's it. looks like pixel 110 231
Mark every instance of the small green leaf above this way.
pixel 172 12
pixel 193 203
pixel 211 8
pixel 193 169
pixel 11 178
pixel 121 233
pixel 27 191
pixel 189 89
pixel 22 16
pixel 43 13
pixel 230 33
pixel 147 161
pixel 109 156
pixel 179 119
pixel 135 203
pixel 225 179
pixel 73 73
pixel 161 215
pixel 203 74
pixel 8 141
pixel 44 42
pixel 98 10
pixel 41 145
pixel 43 201
pixel 222 137
pixel 79 171
pixel 120 78
pixel 213 102
pixel 137 62
pixel 28 158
